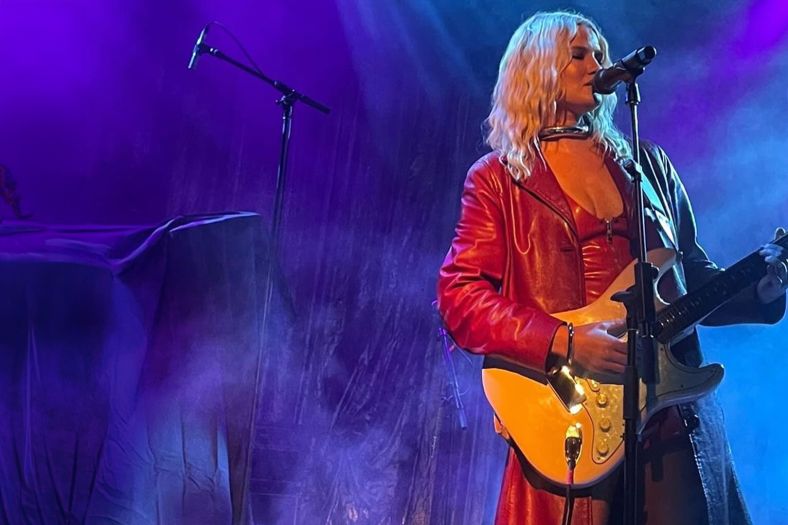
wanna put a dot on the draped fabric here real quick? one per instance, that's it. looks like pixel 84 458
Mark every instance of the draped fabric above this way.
pixel 128 376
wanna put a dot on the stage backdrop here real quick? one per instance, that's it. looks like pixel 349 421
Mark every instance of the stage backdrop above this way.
pixel 100 122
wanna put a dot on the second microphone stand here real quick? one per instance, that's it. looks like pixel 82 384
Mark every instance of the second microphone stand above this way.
pixel 287 101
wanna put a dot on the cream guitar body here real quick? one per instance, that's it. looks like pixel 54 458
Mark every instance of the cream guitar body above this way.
pixel 536 419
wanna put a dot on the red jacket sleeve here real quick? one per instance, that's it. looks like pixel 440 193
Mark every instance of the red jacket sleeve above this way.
pixel 477 316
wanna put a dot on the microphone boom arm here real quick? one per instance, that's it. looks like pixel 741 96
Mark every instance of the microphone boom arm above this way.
pixel 288 92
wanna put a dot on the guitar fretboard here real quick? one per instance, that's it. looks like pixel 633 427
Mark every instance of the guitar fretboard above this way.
pixel 695 306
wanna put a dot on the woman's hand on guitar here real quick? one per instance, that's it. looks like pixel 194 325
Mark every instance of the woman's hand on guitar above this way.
pixel 597 352
pixel 772 286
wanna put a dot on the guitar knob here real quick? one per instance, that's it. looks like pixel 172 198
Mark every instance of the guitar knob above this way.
pixel 604 424
pixel 602 449
pixel 593 385
pixel 601 400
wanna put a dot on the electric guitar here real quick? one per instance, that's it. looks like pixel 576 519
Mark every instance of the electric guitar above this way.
pixel 536 411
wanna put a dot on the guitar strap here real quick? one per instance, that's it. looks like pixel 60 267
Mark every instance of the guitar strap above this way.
pixel 657 209
pixel 659 212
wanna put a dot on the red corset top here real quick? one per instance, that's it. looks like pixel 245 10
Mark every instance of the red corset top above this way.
pixel 604 244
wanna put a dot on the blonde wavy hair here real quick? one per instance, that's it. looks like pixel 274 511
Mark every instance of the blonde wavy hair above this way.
pixel 525 97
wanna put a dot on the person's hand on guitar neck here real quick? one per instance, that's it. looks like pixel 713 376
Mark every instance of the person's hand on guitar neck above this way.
pixel 773 285
pixel 595 352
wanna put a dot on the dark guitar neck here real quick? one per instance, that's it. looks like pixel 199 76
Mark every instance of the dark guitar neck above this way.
pixel 693 307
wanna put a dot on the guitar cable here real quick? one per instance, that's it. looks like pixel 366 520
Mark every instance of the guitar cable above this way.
pixel 573 442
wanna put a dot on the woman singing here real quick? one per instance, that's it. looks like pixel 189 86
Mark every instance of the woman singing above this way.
pixel 545 227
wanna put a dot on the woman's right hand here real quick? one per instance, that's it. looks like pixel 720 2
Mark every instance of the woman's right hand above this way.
pixel 596 352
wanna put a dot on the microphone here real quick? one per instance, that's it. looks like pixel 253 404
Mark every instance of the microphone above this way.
pixel 624 70
pixel 197 51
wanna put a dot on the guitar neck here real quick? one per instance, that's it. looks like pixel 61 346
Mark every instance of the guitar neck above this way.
pixel 695 306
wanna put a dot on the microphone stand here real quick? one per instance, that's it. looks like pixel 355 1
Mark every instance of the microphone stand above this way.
pixel 287 101
pixel 448 346
pixel 641 318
